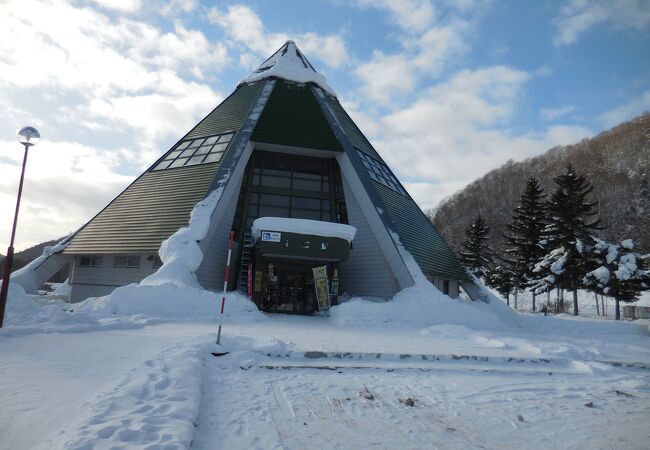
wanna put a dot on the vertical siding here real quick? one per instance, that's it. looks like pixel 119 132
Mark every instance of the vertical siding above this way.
pixel 215 244
pixel 96 281
pixel 366 272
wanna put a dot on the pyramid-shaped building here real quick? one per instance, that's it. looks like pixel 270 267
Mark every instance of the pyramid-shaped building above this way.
pixel 281 146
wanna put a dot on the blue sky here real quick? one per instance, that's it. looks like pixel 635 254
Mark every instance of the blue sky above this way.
pixel 445 90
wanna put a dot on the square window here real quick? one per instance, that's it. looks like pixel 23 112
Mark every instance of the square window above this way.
pixel 225 137
pixel 196 143
pixel 162 165
pixel 211 140
pixel 219 147
pixel 178 163
pixel 183 145
pixel 306 185
pixel 213 157
pixel 173 155
pixel 126 261
pixel 203 150
pixel 187 153
pixel 195 160
pixel 90 261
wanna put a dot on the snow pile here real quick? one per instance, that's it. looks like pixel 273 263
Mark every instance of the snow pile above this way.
pixel 422 305
pixel 290 64
pixel 27 276
pixel 168 301
pixel 29 311
pixel 303 226
pixel 180 253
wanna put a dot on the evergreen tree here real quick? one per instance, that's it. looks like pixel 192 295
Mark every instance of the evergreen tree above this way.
pixel 523 249
pixel 622 273
pixel 476 254
pixel 500 278
pixel 572 221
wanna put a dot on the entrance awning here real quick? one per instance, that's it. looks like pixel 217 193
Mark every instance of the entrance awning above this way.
pixel 302 239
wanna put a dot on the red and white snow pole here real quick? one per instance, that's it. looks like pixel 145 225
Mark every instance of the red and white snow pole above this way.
pixel 225 285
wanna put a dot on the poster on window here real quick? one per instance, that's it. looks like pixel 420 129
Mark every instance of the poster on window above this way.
pixel 321 286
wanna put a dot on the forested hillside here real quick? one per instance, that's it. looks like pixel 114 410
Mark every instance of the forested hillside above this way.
pixel 616 163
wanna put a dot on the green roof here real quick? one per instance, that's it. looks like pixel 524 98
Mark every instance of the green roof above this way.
pixel 146 213
pixel 230 114
pixel 293 117
pixel 350 129
pixel 419 236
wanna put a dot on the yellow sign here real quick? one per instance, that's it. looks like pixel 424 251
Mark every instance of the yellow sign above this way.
pixel 258 281
pixel 321 287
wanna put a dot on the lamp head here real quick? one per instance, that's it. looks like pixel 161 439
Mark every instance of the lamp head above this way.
pixel 28 136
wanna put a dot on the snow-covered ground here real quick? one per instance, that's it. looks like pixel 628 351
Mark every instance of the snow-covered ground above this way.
pixel 586 303
pixel 135 370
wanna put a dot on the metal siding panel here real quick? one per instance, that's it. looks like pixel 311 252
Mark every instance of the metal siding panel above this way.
pixel 350 129
pixel 419 236
pixel 293 117
pixel 366 272
pixel 230 114
pixel 146 213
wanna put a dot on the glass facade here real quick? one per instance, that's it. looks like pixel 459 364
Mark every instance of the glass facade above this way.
pixel 379 172
pixel 281 185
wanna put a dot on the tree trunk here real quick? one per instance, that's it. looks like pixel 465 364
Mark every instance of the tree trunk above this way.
pixel 597 309
pixel 533 301
pixel 575 301
pixel 618 310
pixel 516 292
pixel 548 298
pixel 602 305
pixel 508 299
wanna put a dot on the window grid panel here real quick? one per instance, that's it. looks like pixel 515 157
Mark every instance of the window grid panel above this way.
pixel 379 172
pixel 196 151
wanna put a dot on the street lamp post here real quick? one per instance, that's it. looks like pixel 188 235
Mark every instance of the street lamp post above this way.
pixel 27 136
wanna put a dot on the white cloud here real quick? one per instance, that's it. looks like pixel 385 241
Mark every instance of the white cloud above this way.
pixel 626 111
pixel 108 93
pixel 427 51
pixel 243 26
pixel 119 71
pixel 66 183
pixel 555 113
pixel 459 130
pixel 385 76
pixel 129 6
pixel 578 16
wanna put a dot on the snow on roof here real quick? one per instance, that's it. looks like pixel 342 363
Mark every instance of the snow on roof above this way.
pixel 303 226
pixel 290 64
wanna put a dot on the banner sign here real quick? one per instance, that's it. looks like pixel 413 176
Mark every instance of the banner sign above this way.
pixel 321 287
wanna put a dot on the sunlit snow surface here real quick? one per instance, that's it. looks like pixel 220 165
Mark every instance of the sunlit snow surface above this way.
pixel 135 370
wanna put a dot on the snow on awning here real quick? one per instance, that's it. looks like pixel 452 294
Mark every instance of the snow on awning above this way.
pixel 290 64
pixel 303 226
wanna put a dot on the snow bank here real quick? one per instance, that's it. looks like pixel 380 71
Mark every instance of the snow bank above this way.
pixel 169 301
pixel 303 226
pixel 290 64
pixel 421 306
pixel 27 277
pixel 34 311
pixel 180 253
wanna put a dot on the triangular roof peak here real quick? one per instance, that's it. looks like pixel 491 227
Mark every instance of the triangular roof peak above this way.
pixel 289 63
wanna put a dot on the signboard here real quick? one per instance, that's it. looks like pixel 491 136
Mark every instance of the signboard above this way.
pixel 258 281
pixel 271 236
pixel 321 287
